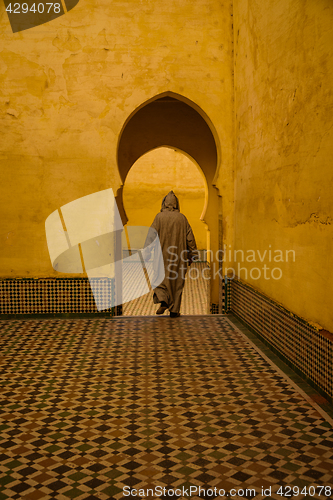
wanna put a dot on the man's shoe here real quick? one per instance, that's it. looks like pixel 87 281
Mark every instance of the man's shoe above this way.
pixel 174 315
pixel 163 307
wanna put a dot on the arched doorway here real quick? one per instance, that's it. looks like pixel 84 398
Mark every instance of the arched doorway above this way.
pixel 150 178
pixel 173 121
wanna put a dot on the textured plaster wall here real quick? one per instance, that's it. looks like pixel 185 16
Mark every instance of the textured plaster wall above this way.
pixel 67 88
pixel 284 155
pixel 152 177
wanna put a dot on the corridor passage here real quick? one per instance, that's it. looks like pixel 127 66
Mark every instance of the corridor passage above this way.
pixel 90 406
pixel 195 298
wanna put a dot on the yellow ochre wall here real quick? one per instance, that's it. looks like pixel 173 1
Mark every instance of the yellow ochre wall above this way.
pixel 67 89
pixel 284 148
pixel 152 177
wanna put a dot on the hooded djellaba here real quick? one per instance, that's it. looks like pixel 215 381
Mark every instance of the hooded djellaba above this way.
pixel 178 249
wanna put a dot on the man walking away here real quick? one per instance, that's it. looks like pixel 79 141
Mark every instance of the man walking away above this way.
pixel 178 249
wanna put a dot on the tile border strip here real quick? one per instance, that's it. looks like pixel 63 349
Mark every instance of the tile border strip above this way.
pixel 301 345
pixel 259 349
pixel 54 297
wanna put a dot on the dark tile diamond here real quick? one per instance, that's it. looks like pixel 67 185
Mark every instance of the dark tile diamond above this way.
pixel 27 471
pixel 314 474
pixel 99 453
pixel 276 474
pixel 94 483
pixel 132 465
pixel 304 458
pixel 205 478
pixel 236 461
pixel 231 447
pixel 166 464
pixel 20 487
pixel 96 467
pixel 166 450
pixel 62 469
pixel 198 448
pixel 66 455
pixel 56 485
pixel 241 476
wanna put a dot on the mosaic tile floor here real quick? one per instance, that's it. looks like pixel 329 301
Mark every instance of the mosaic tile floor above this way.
pixel 90 406
pixel 194 299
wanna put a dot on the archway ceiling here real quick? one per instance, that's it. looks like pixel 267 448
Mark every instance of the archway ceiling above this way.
pixel 167 122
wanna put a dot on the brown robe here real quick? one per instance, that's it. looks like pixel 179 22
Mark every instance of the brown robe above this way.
pixel 178 249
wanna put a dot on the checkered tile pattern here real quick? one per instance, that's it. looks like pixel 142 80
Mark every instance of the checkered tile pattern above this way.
pixel 54 295
pixel 308 349
pixel 92 405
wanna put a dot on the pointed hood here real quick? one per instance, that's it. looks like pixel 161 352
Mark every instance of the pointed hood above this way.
pixel 170 203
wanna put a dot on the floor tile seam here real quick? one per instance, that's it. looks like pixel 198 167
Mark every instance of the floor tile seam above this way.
pixel 283 374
